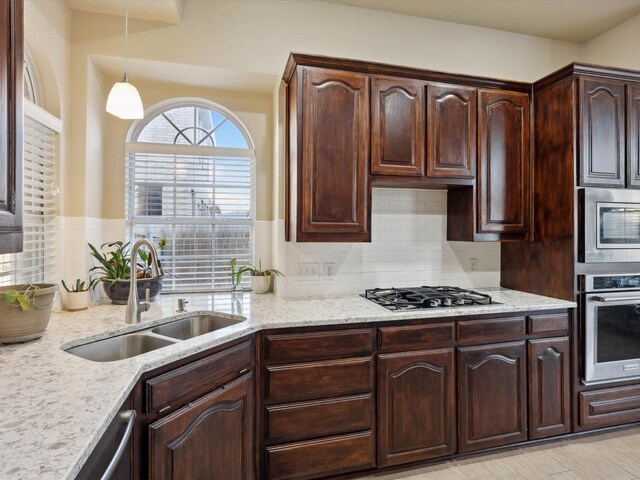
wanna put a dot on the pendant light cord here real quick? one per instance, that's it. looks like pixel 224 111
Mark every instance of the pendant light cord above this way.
pixel 126 40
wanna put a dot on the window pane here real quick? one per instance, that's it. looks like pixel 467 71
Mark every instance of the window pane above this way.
pixel 229 136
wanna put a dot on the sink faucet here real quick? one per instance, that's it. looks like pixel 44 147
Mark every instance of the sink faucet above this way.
pixel 134 307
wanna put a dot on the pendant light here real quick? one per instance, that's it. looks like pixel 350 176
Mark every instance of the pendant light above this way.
pixel 124 100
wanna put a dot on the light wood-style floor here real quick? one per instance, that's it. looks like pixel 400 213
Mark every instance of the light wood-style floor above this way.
pixel 609 456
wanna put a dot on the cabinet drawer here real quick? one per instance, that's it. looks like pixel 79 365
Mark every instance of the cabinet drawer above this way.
pixel 557 323
pixel 494 329
pixel 319 418
pixel 415 337
pixel 331 378
pixel 195 379
pixel 321 458
pixel 300 347
pixel 612 406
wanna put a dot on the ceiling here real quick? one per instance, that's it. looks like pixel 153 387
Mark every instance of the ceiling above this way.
pixel 168 11
pixel 570 20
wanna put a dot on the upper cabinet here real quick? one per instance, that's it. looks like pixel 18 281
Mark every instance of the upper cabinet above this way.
pixel 353 125
pixel 503 169
pixel 11 134
pixel 397 126
pixel 329 156
pixel 602 132
pixel 451 131
pixel 633 136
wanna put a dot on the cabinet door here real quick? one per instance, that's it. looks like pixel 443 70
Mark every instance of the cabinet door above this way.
pixel 503 165
pixel 11 132
pixel 209 438
pixel 334 185
pixel 602 133
pixel 633 136
pixel 416 406
pixel 549 387
pixel 397 130
pixel 492 396
pixel 451 139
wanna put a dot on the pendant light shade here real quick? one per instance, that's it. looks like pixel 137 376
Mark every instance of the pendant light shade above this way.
pixel 124 100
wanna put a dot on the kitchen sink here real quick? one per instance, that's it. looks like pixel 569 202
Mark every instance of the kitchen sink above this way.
pixel 194 326
pixel 119 348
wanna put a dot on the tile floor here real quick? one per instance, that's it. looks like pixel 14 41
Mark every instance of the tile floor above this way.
pixel 608 456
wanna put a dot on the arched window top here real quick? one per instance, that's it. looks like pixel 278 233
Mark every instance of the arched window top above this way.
pixel 31 85
pixel 192 122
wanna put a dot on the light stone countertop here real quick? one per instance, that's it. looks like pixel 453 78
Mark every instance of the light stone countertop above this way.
pixel 55 406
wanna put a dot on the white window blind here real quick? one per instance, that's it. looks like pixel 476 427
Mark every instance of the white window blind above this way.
pixel 185 184
pixel 37 261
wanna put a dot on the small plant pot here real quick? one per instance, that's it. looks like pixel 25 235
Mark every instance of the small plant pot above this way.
pixel 18 326
pixel 76 301
pixel 261 283
pixel 118 291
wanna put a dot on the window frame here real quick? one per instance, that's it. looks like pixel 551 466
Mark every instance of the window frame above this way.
pixel 133 147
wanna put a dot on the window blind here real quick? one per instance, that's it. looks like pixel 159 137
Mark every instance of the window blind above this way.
pixel 202 205
pixel 37 261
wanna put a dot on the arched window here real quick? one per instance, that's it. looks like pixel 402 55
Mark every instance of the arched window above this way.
pixel 31 87
pixel 190 179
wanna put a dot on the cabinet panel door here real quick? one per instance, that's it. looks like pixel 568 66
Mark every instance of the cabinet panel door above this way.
pixel 549 387
pixel 503 162
pixel 11 130
pixel 492 396
pixel 397 130
pixel 210 438
pixel 633 136
pixel 334 185
pixel 416 406
pixel 451 139
pixel 602 133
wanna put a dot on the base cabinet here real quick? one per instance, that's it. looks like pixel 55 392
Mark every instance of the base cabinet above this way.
pixel 549 389
pixel 211 437
pixel 416 406
pixel 492 396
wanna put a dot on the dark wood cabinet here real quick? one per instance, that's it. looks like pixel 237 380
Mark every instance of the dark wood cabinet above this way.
pixel 602 132
pixel 329 165
pixel 633 136
pixel 492 396
pixel 416 406
pixel 397 126
pixel 549 387
pixel 11 130
pixel 503 182
pixel 209 438
pixel 451 131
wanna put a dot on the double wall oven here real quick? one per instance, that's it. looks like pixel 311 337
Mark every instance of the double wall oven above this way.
pixel 609 233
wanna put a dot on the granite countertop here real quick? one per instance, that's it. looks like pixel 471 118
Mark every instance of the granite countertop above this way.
pixel 55 406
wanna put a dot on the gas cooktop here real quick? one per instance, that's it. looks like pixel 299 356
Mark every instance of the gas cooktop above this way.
pixel 413 298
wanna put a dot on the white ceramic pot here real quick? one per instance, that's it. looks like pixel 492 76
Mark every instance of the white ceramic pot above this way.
pixel 261 283
pixel 76 301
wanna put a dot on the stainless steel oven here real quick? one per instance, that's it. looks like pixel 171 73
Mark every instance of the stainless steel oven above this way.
pixel 609 225
pixel 612 326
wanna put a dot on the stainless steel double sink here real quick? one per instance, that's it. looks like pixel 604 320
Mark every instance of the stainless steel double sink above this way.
pixel 143 341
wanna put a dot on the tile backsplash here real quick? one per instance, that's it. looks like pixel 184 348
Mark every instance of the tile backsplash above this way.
pixel 408 247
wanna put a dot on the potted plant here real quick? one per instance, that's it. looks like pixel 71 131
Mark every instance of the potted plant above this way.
pixel 114 270
pixel 260 279
pixel 25 311
pixel 77 297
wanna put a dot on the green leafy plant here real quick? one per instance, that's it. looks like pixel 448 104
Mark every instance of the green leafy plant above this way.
pixel 114 262
pixel 236 273
pixel 23 299
pixel 80 285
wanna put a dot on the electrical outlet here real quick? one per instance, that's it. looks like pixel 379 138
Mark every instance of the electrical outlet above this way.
pixel 473 264
pixel 307 271
pixel 329 269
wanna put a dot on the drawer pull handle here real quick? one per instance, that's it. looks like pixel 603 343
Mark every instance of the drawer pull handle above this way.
pixel 243 371
pixel 164 409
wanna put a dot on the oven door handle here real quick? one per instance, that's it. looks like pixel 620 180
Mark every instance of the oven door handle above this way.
pixel 615 299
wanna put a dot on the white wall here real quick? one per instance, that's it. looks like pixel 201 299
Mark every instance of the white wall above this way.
pixel 617 47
